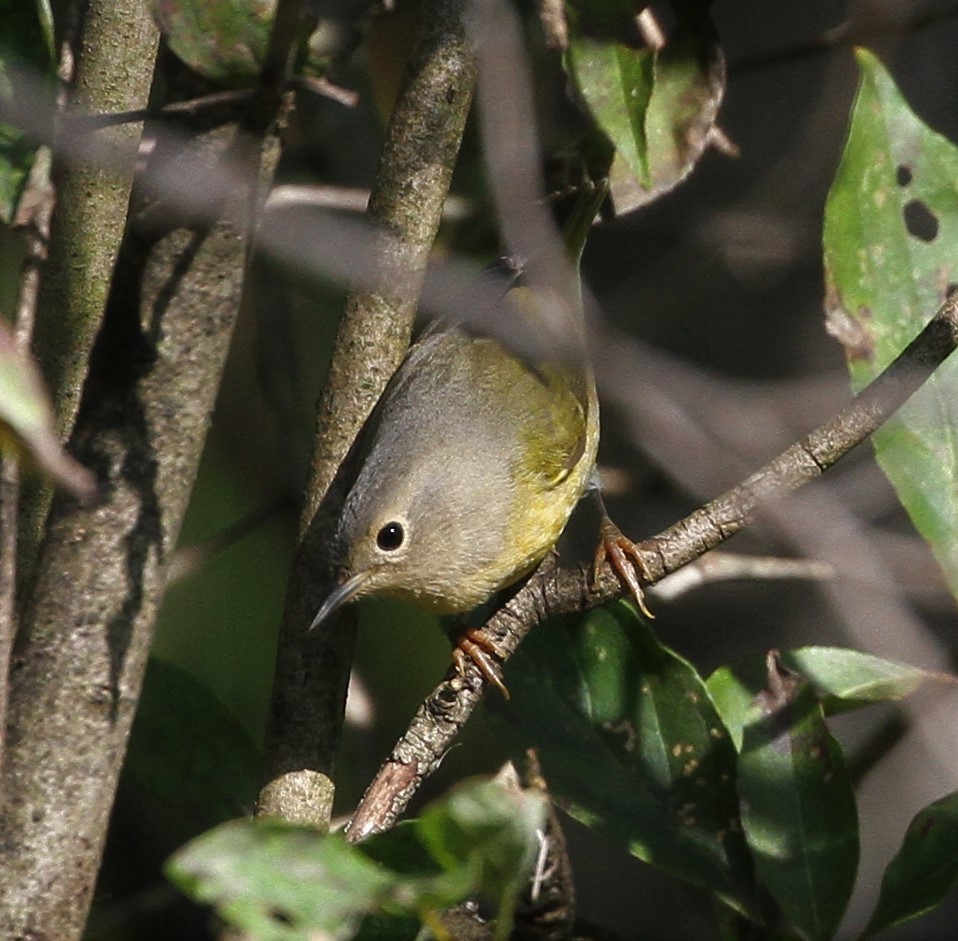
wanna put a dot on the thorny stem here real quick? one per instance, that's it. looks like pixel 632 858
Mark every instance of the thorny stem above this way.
pixel 553 591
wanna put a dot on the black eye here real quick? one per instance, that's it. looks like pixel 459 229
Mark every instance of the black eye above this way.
pixel 390 537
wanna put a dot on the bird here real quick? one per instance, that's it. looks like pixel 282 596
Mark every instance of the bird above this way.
pixel 474 459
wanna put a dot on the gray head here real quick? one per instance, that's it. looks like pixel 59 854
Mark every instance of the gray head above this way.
pixel 425 519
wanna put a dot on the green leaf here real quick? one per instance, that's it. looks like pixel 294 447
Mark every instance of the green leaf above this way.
pixel 924 870
pixel 616 82
pixel 657 108
pixel 26 65
pixel 849 678
pixel 279 883
pixel 798 808
pixel 26 420
pixel 274 882
pixel 733 689
pixel 891 250
pixel 189 756
pixel 845 679
pixel 631 745
pixel 489 827
pixel 224 40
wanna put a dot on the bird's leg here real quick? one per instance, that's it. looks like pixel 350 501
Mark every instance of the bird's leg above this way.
pixel 622 555
pixel 477 645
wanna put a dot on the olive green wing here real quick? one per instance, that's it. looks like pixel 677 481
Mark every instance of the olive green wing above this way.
pixel 559 430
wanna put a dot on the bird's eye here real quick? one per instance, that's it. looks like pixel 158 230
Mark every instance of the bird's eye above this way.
pixel 390 537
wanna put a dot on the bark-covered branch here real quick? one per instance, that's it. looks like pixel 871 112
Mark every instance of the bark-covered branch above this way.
pixel 415 169
pixel 87 624
pixel 112 49
pixel 552 590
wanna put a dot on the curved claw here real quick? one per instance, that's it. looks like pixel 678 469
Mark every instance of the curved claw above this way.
pixel 475 644
pixel 626 561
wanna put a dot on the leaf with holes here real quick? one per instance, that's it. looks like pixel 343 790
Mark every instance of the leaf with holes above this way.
pixel 891 255
pixel 924 870
pixel 280 883
pixel 798 807
pixel 631 745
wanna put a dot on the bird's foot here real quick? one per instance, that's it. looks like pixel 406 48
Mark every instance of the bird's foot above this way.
pixel 626 561
pixel 477 645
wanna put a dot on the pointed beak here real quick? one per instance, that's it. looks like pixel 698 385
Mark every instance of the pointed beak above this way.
pixel 339 596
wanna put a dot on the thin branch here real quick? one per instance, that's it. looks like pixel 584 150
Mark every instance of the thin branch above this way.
pixel 551 591
pixel 810 457
pixel 33 219
pixel 225 105
pixel 219 107
pixel 322 86
pixel 422 142
pixel 293 22
pixel 726 566
pixel 548 908
pixel 347 199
